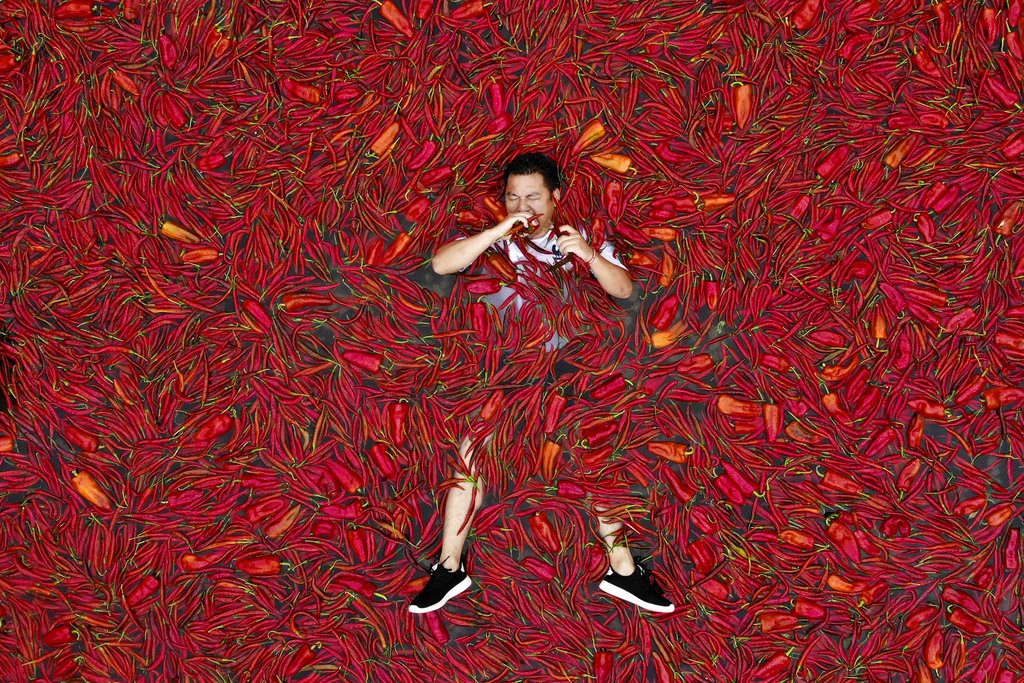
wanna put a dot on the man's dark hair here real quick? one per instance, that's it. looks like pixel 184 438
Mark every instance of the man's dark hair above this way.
pixel 535 162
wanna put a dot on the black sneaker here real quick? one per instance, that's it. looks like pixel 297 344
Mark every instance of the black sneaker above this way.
pixel 442 587
pixel 639 588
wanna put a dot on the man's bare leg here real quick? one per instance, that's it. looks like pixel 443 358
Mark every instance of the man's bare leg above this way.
pixel 611 532
pixel 462 503
pixel 626 581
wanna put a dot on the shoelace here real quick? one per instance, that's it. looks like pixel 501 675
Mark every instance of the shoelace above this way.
pixel 655 588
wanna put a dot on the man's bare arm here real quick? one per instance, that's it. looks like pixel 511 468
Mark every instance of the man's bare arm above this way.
pixel 613 279
pixel 457 254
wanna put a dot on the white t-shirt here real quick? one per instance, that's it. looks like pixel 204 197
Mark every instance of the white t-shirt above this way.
pixel 544 250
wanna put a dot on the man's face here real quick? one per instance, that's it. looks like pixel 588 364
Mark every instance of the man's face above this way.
pixel 526 193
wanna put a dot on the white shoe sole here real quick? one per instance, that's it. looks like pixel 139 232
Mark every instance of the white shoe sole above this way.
pixel 612 589
pixel 456 589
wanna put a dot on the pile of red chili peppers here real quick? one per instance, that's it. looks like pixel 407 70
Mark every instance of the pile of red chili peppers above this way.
pixel 238 382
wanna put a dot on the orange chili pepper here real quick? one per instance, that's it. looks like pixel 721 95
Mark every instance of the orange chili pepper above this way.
pixel 796 537
pixel 383 142
pixel 741 104
pixel 548 462
pixel 773 621
pixel 176 232
pixel 496 209
pixel 895 156
pixel 193 563
pixel 200 255
pixel 396 18
pixel 671 450
pixel 663 338
pixel 592 133
pixel 878 327
pixel 772 420
pixel 620 163
pixel 86 485
pixel 735 407
pixel 842 585
pixel 661 232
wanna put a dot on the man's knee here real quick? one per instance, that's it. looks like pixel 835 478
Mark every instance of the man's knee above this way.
pixel 467 467
pixel 467 449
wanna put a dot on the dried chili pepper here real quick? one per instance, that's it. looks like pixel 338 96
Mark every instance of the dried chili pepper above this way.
pixel 544 532
pixel 260 565
pixel 593 132
pixel 86 486
pixel 620 163
pixel 59 635
pixel 550 452
pixel 396 18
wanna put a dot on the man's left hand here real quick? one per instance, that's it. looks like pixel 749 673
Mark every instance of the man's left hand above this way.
pixel 570 241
